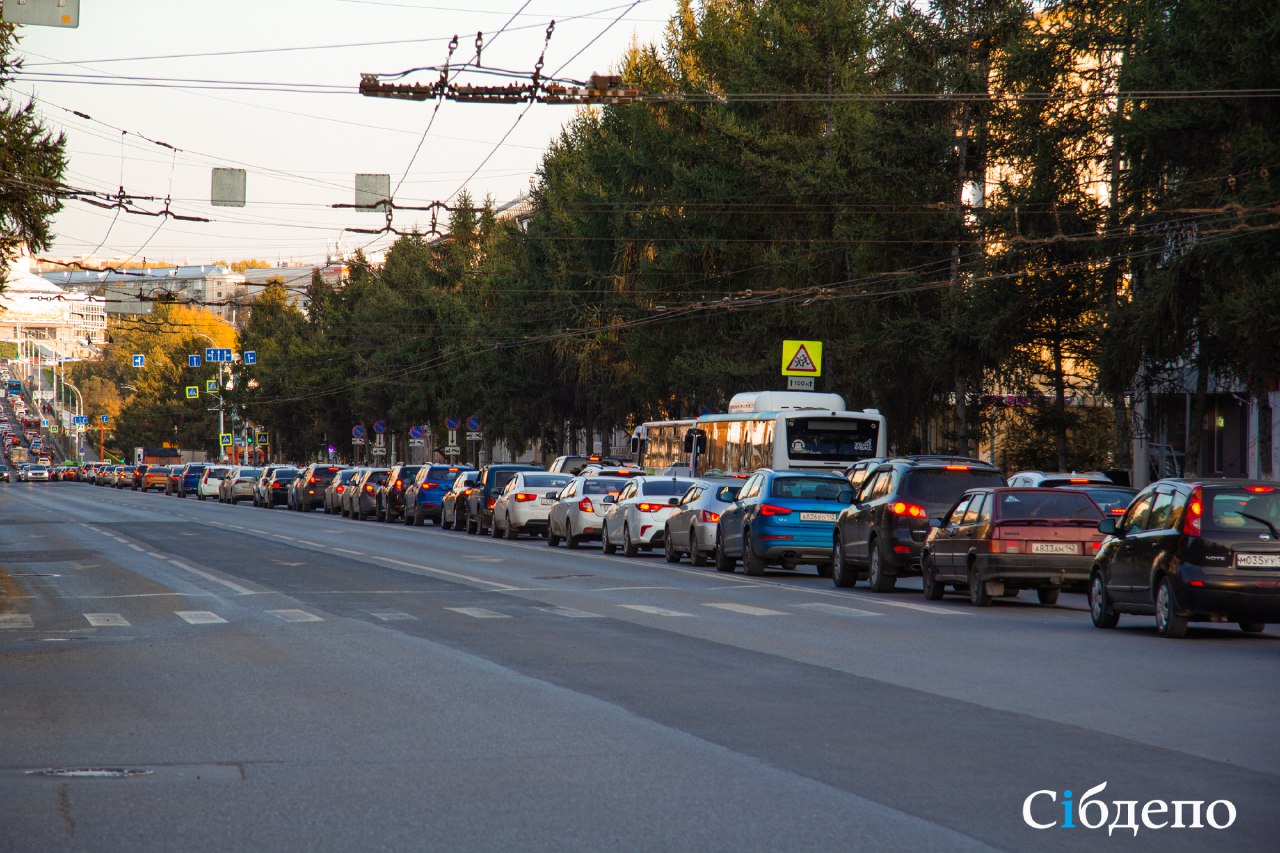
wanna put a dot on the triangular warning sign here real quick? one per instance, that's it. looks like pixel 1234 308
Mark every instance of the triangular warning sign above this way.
pixel 801 362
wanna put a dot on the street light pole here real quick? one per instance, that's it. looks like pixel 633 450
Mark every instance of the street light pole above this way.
pixel 79 413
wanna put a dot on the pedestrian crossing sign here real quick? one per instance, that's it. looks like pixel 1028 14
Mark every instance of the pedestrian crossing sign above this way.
pixel 802 358
pixel 225 439
pixel 211 386
pixel 193 392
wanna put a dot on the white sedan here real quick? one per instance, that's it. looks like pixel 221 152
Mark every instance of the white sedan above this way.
pixel 637 516
pixel 526 502
pixel 210 481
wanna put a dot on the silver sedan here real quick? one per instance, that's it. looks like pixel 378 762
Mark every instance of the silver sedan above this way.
pixel 692 528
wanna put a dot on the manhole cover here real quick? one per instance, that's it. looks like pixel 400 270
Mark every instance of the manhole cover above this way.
pixel 90 772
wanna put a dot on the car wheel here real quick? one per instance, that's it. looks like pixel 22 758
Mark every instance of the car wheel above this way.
pixel 933 590
pixel 1100 610
pixel 1169 623
pixel 199 496
pixel 414 520
pixel 509 530
pixel 605 545
pixel 553 541
pixel 1048 595
pixel 629 548
pixel 570 540
pixel 724 563
pixel 446 522
pixel 669 550
pixel 1252 627
pixel 841 574
pixel 472 527
pixel 752 564
pixel 978 595
pixel 877 577
pixel 826 570
pixel 696 557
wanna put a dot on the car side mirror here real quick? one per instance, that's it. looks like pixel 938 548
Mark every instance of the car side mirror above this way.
pixel 610 499
pixel 470 484
pixel 935 522
pixel 1109 527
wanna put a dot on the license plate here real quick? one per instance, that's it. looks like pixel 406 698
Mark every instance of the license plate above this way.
pixel 817 516
pixel 1054 548
pixel 546 502
pixel 1258 561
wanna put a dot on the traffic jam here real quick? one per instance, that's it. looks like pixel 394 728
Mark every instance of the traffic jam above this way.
pixel 793 482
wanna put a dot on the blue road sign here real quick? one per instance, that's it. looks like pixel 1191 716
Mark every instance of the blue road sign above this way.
pixel 208 354
pixel 81 419
pixel 251 357
pixel 211 386
pixel 473 423
pixel 193 392
pixel 452 423
pixel 104 419
pixel 357 431
pixel 224 356
pixel 416 432
pixel 193 361
pixel 44 423
pixel 139 361
pixel 379 427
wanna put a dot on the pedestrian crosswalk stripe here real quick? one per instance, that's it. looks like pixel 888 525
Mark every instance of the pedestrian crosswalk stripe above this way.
pixel 199 617
pixel 390 615
pixel 16 620
pixel 478 613
pixel 839 610
pixel 570 612
pixel 654 611
pixel 923 608
pixel 106 620
pixel 295 615
pixel 747 609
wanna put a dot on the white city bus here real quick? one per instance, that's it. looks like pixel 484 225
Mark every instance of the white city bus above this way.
pixel 792 433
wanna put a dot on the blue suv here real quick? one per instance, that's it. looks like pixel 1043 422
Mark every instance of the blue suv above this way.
pixel 782 518
pixel 424 497
pixel 191 473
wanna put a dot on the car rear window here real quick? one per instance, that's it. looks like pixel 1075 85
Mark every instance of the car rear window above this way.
pixel 944 485
pixel 1112 501
pixel 498 479
pixel 324 475
pixel 809 488
pixel 1045 505
pixel 284 474
pixel 602 485
pixel 217 473
pixel 666 487
pixel 537 481
pixel 444 472
pixel 1244 509
pixel 250 472
pixel 377 478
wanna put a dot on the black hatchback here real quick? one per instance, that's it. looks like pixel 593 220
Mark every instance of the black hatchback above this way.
pixel 1192 551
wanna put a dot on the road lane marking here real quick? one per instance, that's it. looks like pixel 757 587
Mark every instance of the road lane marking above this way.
pixel 286 563
pixel 391 615
pixel 199 617
pixel 345 551
pixel 923 608
pixel 106 620
pixel 746 609
pixel 458 575
pixel 628 588
pixel 231 585
pixel 653 611
pixel 479 613
pixel 840 610
pixel 16 620
pixel 570 613
pixel 295 615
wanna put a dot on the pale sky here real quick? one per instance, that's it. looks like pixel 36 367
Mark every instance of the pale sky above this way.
pixel 301 149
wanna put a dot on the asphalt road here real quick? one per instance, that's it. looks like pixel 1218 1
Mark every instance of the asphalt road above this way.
pixel 209 677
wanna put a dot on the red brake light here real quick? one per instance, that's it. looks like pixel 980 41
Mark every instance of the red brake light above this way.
pixel 1195 509
pixel 770 509
pixel 399 484
pixel 368 487
pixel 525 497
pixel 339 488
pixel 1078 480
pixel 957 468
pixel 585 505
pixel 489 502
pixel 709 517
pixel 428 484
pixel 466 492
pixel 909 510
pixel 1260 490
pixel 1117 510
pixel 648 507
pixel 311 480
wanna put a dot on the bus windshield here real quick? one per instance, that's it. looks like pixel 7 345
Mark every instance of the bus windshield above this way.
pixel 830 439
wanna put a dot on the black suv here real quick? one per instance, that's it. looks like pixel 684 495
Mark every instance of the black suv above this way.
pixel 391 492
pixel 1192 551
pixel 489 482
pixel 880 535
pixel 307 492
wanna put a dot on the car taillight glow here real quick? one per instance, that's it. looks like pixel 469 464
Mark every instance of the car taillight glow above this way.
pixel 771 509
pixel 709 517
pixel 957 468
pixel 339 489
pixel 907 509
pixel 311 480
pixel 648 507
pixel 399 484
pixel 585 505
pixel 368 487
pixel 525 497
pixel 1260 490
pixel 1195 509
pixel 489 502
pixel 428 484
pixel 466 492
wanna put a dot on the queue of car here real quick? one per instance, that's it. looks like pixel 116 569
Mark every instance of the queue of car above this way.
pixel 1179 551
